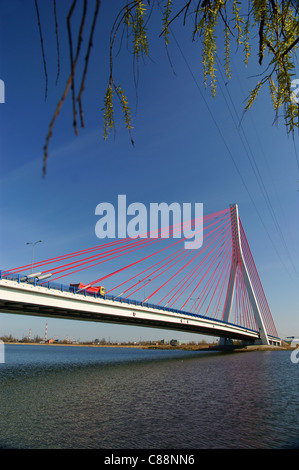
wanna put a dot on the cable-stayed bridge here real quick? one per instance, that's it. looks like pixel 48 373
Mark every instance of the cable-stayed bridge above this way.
pixel 153 281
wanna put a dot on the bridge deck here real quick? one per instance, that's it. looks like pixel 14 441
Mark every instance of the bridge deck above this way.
pixel 30 297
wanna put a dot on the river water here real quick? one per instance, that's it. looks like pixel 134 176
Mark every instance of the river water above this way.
pixel 57 397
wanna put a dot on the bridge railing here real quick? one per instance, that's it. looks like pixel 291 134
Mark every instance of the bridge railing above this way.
pixel 85 293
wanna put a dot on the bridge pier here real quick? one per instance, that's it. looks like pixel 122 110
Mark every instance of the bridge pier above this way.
pixel 226 342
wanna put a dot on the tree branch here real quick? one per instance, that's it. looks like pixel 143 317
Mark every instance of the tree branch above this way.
pixel 290 47
pixel 57 41
pixel 66 90
pixel 98 3
pixel 42 47
pixel 261 35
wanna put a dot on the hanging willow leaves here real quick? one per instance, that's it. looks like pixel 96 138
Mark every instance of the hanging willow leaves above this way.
pixel 264 31
pixel 165 20
pixel 253 95
pixel 264 26
pixel 108 113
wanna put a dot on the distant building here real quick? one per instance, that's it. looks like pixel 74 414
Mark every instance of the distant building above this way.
pixel 294 342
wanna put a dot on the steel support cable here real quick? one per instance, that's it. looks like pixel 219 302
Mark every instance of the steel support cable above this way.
pixel 256 172
pixel 202 278
pixel 262 300
pixel 96 248
pixel 256 288
pixel 162 272
pixel 199 268
pixel 140 274
pixel 238 290
pixel 238 303
pixel 168 280
pixel 253 124
pixel 209 284
pixel 139 242
pixel 179 253
pixel 104 259
pixel 230 153
pixel 244 312
pixel 139 261
pixel 223 288
pixel 219 274
pixel 147 269
pixel 254 273
pixel 196 271
pixel 262 151
pixel 224 280
pixel 205 247
pixel 62 257
pixel 127 249
pixel 236 298
pixel 252 316
pixel 265 310
pixel 188 276
pixel 189 252
pixel 253 276
pixel 210 265
pixel 248 307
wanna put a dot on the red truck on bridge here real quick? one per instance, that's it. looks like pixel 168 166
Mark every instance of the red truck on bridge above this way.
pixel 92 289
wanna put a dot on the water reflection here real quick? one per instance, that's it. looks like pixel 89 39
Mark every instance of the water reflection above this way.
pixel 144 399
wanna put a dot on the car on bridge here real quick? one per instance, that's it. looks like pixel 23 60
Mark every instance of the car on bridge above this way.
pixel 91 289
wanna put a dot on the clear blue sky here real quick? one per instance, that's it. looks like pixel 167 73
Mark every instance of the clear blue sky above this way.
pixel 185 144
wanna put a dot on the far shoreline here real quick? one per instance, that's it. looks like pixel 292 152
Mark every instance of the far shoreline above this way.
pixel 79 344
pixel 186 347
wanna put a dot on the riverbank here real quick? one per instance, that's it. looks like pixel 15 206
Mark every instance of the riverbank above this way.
pixel 236 348
pixel 183 347
pixel 90 345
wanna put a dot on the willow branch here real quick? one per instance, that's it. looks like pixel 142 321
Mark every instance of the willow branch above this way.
pixel 57 41
pixel 42 47
pixel 185 7
pixel 116 25
pixel 98 3
pixel 290 47
pixel 261 35
pixel 62 99
pixel 72 62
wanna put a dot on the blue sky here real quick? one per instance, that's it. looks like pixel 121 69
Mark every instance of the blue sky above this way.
pixel 187 149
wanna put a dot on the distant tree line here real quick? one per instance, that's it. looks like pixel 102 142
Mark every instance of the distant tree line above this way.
pixel 11 339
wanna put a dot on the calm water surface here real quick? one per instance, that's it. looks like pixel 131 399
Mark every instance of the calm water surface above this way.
pixel 119 398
